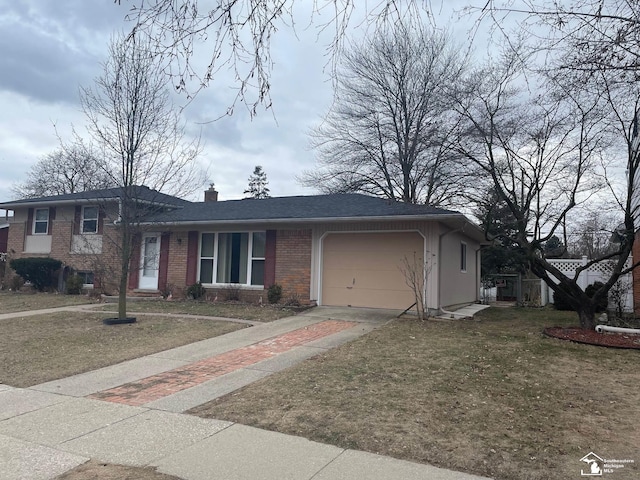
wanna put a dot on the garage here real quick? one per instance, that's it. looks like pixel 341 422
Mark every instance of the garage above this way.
pixel 364 269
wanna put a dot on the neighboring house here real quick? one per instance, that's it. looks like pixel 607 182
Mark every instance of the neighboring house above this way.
pixel 80 229
pixel 342 249
pixel 4 235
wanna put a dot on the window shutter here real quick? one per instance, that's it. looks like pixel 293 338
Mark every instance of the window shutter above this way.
pixel 77 216
pixel 134 263
pixel 29 229
pixel 163 266
pixel 192 257
pixel 52 217
pixel 101 216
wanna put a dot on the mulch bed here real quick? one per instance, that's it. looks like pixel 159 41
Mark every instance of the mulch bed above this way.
pixel 591 337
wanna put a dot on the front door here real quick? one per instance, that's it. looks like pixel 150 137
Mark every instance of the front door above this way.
pixel 149 261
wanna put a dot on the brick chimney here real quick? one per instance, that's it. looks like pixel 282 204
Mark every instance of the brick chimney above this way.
pixel 211 195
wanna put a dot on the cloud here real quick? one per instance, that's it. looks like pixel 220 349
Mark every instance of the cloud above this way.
pixel 50 48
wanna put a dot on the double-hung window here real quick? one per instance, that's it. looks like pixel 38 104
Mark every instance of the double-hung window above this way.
pixel 232 258
pixel 41 221
pixel 89 220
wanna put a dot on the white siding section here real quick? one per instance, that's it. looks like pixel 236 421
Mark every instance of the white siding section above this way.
pixel 37 244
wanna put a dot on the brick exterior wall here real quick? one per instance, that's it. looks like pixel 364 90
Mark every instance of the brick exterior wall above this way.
pixel 177 263
pixel 106 266
pixel 293 263
pixel 292 259
pixel 15 241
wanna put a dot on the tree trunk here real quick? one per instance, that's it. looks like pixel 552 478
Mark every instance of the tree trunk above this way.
pixel 124 273
pixel 587 316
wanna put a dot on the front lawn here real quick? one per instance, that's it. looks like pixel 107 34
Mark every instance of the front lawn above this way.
pixel 19 302
pixel 47 347
pixel 492 397
pixel 258 313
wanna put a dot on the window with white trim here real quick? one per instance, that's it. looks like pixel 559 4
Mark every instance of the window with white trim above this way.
pixel 463 257
pixel 232 258
pixel 41 221
pixel 89 222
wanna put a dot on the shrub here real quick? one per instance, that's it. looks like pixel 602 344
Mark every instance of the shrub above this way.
pixel 38 271
pixel 16 283
pixel 560 302
pixel 293 300
pixel 591 290
pixel 274 293
pixel 167 291
pixel 74 284
pixel 196 291
pixel 231 293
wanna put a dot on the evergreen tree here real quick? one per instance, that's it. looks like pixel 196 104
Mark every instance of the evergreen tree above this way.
pixel 258 184
pixel 499 224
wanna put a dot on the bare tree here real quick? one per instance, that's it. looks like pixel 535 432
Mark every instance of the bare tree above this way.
pixel 598 34
pixel 593 235
pixel 137 129
pixel 543 156
pixel 136 126
pixel 71 168
pixel 235 35
pixel 386 132
pixel 417 275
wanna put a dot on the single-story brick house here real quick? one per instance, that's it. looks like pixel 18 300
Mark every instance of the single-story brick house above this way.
pixel 339 249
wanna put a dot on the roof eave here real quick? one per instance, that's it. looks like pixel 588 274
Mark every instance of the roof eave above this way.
pixel 425 217
pixel 80 201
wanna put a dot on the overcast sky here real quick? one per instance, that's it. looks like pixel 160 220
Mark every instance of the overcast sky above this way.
pixel 50 48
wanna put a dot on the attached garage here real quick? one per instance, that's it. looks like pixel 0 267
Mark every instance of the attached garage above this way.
pixel 364 269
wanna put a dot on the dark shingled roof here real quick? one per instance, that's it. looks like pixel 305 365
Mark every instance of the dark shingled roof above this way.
pixel 140 193
pixel 296 208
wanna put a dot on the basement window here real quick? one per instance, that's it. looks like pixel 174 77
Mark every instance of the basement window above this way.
pixel 87 279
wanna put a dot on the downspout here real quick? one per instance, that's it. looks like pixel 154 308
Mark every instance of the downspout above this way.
pixel 607 328
pixel 118 220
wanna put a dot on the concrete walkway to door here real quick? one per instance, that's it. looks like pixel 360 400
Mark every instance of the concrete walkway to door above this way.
pixel 130 413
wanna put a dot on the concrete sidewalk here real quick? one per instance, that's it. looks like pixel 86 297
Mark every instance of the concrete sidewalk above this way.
pixel 50 428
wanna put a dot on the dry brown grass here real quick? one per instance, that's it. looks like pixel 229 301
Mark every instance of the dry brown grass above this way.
pixel 492 397
pixel 93 470
pixel 258 313
pixel 47 347
pixel 19 302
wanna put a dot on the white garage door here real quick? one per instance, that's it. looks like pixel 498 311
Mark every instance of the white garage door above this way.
pixel 364 269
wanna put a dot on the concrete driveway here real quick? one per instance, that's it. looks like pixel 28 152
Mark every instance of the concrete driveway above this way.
pixel 373 316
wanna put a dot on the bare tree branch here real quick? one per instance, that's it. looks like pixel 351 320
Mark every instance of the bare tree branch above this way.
pixel 236 35
pixel 385 134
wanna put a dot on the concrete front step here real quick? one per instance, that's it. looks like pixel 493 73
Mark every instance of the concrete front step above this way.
pixel 136 295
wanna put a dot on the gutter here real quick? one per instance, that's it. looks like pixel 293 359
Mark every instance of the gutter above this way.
pixel 80 201
pixel 423 217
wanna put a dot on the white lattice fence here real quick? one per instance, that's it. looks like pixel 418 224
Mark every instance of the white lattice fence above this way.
pixel 598 272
